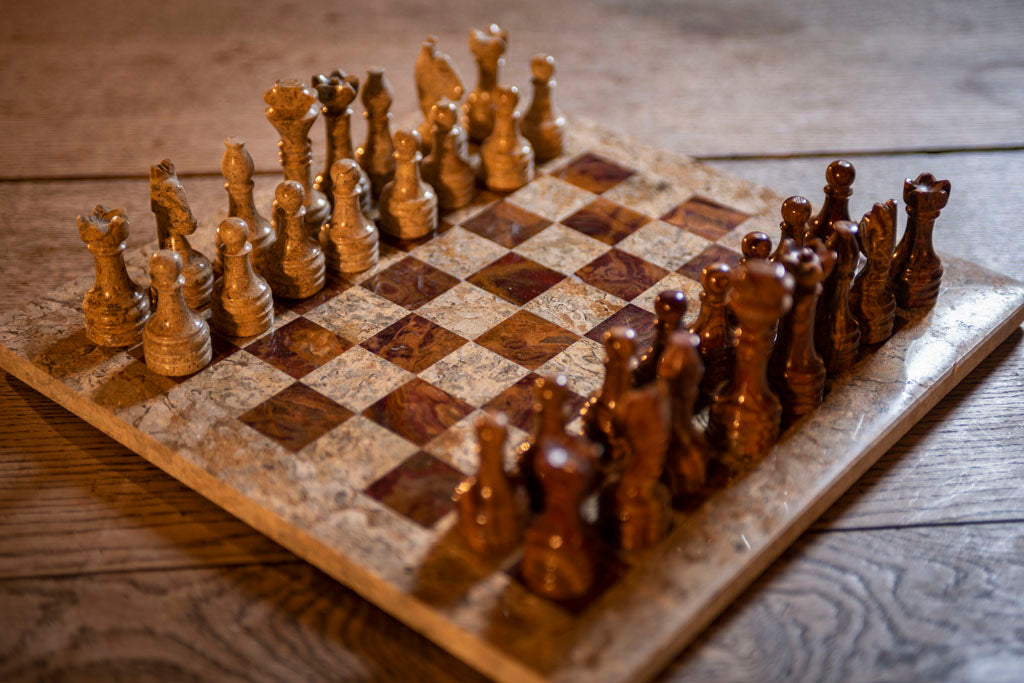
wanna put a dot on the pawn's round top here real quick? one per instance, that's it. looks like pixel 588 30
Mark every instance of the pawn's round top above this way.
pixel 407 144
pixel 670 303
pixel 542 67
pixel 620 342
pixel 444 115
pixel 233 232
pixel 756 245
pixel 290 195
pixel 506 99
pixel 552 389
pixel 492 427
pixel 715 278
pixel 796 210
pixel 165 269
pixel 345 174
pixel 840 174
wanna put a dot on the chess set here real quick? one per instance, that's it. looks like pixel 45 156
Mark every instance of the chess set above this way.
pixel 546 395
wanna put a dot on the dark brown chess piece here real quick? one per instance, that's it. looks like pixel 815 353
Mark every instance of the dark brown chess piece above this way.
pixel 241 304
pixel 746 415
pixel 916 268
pixel 487 48
pixel 755 245
pixel 335 93
pixel 558 552
pixel 681 370
pixel 115 308
pixel 636 507
pixel 670 307
pixel 295 265
pixel 838 188
pixel 797 371
pixel 871 299
pixel 796 211
pixel 712 328
pixel 237 168
pixel 492 509
pixel 619 364
pixel 836 333
pixel 376 155
pixel 174 222
pixel 543 124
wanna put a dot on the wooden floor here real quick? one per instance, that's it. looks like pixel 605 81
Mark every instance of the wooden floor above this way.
pixel 111 570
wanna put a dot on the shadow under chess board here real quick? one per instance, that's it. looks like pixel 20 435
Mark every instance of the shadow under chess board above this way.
pixel 342 432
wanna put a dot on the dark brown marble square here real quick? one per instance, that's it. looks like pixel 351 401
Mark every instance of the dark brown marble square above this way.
pixel 418 411
pixel 517 401
pixel 633 316
pixel 593 173
pixel 410 283
pixel 704 217
pixel 409 245
pixel 713 253
pixel 332 288
pixel 420 488
pixel 296 416
pixel 606 221
pixel 299 347
pixel 527 339
pixel 515 278
pixel 622 274
pixel 413 343
pixel 506 224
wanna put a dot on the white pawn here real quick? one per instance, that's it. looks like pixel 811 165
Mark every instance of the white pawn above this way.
pixel 408 206
pixel 507 156
pixel 349 239
pixel 176 340
pixel 241 304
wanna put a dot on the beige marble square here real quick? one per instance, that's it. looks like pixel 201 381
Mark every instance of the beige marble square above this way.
pixel 459 252
pixel 562 249
pixel 482 201
pixel 691 288
pixel 766 223
pixel 551 198
pixel 695 178
pixel 239 382
pixel 583 365
pixel 458 445
pixel 357 314
pixel 356 453
pixel 664 244
pixel 467 310
pixel 647 194
pixel 575 305
pixel 357 378
pixel 474 374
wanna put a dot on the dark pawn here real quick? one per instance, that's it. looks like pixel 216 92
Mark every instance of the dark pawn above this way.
pixel 558 553
pixel 619 364
pixel 797 370
pixel 755 245
pixel 549 408
pixel 670 307
pixel 871 299
pixel 712 328
pixel 681 370
pixel 836 333
pixel 796 211
pixel 745 416
pixel 916 268
pixel 492 510
pixel 636 508
pixel 839 186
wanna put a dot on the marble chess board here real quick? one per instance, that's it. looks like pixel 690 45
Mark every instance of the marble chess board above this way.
pixel 342 432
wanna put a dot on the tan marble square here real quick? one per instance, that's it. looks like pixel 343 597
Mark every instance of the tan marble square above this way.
pixel 357 314
pixel 459 252
pixel 482 201
pixel 583 365
pixel 474 374
pixel 562 249
pixel 766 223
pixel 467 310
pixel 357 378
pixel 575 305
pixel 356 452
pixel 664 244
pixel 691 288
pixel 458 445
pixel 551 198
pixel 239 382
pixel 647 194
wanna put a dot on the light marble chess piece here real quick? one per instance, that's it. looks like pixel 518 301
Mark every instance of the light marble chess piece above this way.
pixel 487 48
pixel 447 168
pixel 543 124
pixel 293 107
pixel 295 267
pixel 408 206
pixel 237 169
pixel 115 309
pixel 507 156
pixel 242 304
pixel 350 240
pixel 336 92
pixel 174 221
pixel 176 339
pixel 376 155
pixel 436 80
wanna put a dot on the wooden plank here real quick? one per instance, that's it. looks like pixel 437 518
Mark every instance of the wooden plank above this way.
pixel 717 78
